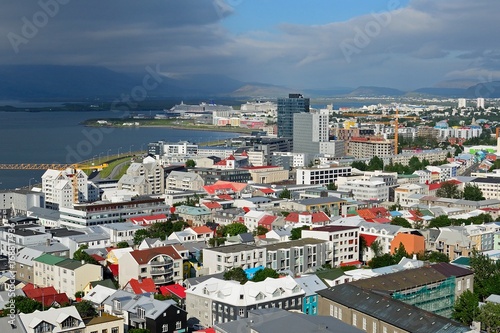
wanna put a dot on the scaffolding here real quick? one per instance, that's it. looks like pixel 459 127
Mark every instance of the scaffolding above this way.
pixel 438 297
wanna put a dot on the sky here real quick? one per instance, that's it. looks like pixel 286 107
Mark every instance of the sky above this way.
pixel 315 44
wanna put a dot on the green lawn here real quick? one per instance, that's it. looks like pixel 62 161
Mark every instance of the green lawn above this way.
pixel 111 165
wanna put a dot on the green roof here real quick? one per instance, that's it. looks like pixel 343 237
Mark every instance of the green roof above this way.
pixel 408 176
pixel 105 283
pixel 70 264
pixel 329 274
pixel 464 261
pixel 49 259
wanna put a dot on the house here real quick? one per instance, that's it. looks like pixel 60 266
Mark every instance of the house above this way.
pixel 235 190
pixel 280 235
pixel 413 242
pixel 267 221
pixel 219 301
pixel 315 218
pixel 98 295
pixel 149 219
pixel 310 284
pixel 66 275
pixel 106 323
pixel 48 296
pixel 194 216
pixel 332 205
pixel 66 319
pixel 193 234
pixel 145 312
pixel 141 286
pixel 252 218
pixel 162 264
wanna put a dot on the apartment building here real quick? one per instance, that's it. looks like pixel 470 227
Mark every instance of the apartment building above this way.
pixel 368 147
pixel 223 258
pixel 364 190
pixel 184 181
pixel 342 241
pixel 144 178
pixel 217 301
pixel 490 187
pixel 65 188
pixel 321 175
pixel 66 275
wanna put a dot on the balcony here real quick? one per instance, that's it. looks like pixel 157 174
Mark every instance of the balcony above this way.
pixel 439 246
pixel 163 280
pixel 161 271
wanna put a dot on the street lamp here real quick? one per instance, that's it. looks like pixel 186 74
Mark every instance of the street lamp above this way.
pixel 100 157
pixel 119 151
pixel 107 155
pixel 130 150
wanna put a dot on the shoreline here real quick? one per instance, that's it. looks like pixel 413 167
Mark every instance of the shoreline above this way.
pixel 236 130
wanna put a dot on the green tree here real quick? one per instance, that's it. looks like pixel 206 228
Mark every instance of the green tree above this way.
pixel 234 229
pixel 449 190
pixel 26 305
pixel 139 330
pixel 140 235
pixel 332 187
pixel 359 165
pixel 376 248
pixel 285 194
pixel 400 253
pixel 401 222
pixel 435 256
pixel 236 274
pixel 86 309
pixel 382 261
pixel 122 245
pixel 261 230
pixel 375 163
pixel 190 164
pixel 486 274
pixel 473 192
pixel 489 317
pixel 465 307
pixel 414 164
pixel 296 233
pixel 216 241
pixel 80 255
pixel 440 221
pixel 264 274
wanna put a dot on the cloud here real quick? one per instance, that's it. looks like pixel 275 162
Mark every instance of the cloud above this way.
pixel 407 47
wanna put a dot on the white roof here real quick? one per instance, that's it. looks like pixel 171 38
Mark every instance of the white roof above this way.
pixel 98 294
pixel 53 316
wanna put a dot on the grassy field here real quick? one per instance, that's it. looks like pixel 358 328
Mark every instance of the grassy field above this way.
pixel 111 165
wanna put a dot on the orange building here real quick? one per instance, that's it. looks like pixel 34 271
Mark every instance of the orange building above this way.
pixel 412 243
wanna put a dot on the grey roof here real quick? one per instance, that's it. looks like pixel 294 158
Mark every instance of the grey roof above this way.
pixel 246 237
pixel 132 180
pixel 26 255
pixel 45 213
pixel 6 322
pixel 489 180
pixel 278 320
pixel 122 226
pixel 130 302
pixel 200 279
pixel 493 298
pixel 233 248
pixel 311 284
pixel 391 311
pixel 64 232
pixel 319 201
pixel 89 237
pixel 182 175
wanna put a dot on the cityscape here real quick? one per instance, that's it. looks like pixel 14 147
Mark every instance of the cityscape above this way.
pixel 227 166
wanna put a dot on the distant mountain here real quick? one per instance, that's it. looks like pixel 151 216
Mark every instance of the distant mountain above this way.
pixel 485 90
pixel 455 83
pixel 339 91
pixel 438 92
pixel 260 91
pixel 375 92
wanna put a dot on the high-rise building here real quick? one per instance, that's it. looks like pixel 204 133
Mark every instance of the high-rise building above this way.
pixel 480 103
pixel 287 107
pixel 462 103
pixel 309 129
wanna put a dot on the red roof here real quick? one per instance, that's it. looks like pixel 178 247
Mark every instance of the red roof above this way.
pixel 97 257
pixel 267 190
pixel 369 239
pixel 48 300
pixel 246 209
pixel 202 230
pixel 373 213
pixel 230 158
pixel 149 218
pixel 211 204
pixel 244 153
pixel 147 285
pixel 39 292
pixel 205 330
pixel 223 186
pixel 114 269
pixel 225 197
pixel 267 220
pixel 142 257
pixel 382 220
pixel 175 289
pixel 317 217
pixel 351 263
pixel 433 187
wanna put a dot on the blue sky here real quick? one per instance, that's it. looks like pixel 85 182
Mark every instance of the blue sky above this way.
pixel 319 44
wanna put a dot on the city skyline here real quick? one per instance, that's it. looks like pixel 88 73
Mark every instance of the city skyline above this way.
pixel 404 44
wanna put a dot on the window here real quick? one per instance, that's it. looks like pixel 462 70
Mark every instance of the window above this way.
pixel 115 330
pixel 141 313
pixel 178 325
pixel 117 304
pixel 164 328
pixel 242 312
pixel 354 319
pixel 459 285
pixel 364 324
pixel 374 327
pixel 340 314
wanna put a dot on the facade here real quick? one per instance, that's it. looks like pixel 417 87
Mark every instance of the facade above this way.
pixel 321 175
pixel 217 301
pixel 66 320
pixel 184 181
pixel 14 238
pixel 296 257
pixel 162 264
pixel 368 147
pixel 288 160
pixel 364 190
pixel 65 188
pixel 211 176
pixel 66 275
pixel 287 107
pixel 332 205
pixel 268 174
pixel 144 178
pixel 309 129
pixel 489 186
pixel 373 312
pixel 311 284
pixel 342 243
pixel 223 258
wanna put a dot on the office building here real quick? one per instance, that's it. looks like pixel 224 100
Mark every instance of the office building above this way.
pixel 309 129
pixel 287 107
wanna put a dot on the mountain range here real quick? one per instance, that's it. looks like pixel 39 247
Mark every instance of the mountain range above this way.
pixel 52 82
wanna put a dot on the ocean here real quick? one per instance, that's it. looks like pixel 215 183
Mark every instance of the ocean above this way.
pixel 58 137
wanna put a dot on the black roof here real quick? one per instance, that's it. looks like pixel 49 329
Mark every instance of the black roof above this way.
pixel 391 311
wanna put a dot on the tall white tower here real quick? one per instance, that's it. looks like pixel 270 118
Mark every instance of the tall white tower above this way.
pixel 462 103
pixel 480 103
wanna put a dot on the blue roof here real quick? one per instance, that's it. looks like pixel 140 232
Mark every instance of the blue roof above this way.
pixel 395 213
pixel 250 272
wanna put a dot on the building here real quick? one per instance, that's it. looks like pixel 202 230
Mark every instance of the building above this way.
pixel 65 319
pixel 311 284
pixel 17 202
pixel 217 301
pixel 65 188
pixel 343 247
pixel 144 178
pixel 66 275
pixel 211 176
pixel 374 312
pixel 184 181
pixel 309 129
pixel 287 107
pixel 288 160
pixel 223 258
pixel 162 264
pixel 480 103
pixel 268 174
pixel 490 187
pixel 462 103
pixel 140 311
pixel 14 238
pixel 297 257
pixel 332 206
pixel 321 175
pixel 364 190
pixel 368 147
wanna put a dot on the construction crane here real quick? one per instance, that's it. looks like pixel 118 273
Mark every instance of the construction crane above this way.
pixel 396 132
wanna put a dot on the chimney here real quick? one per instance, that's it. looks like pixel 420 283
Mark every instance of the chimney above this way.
pixel 83 262
pixel 47 242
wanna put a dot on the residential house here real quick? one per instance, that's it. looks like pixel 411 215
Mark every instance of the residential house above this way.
pixel 66 319
pixel 413 242
pixel 194 234
pixel 311 284
pixel 194 216
pixel 223 258
pixel 141 286
pixel 314 219
pixel 331 205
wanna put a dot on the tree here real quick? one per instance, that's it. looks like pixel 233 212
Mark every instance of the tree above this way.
pixel 236 274
pixel 261 230
pixel 440 221
pixel 190 164
pixel 375 163
pixel 400 253
pixel 486 274
pixel 234 229
pixel 122 245
pixel 465 307
pixel 81 255
pixel 139 330
pixel 414 163
pixel 449 190
pixel 140 235
pixel 285 194
pixel 332 187
pixel 296 233
pixel 359 165
pixel 263 274
pixel 86 309
pixel 216 241
pixel 401 222
pixel 25 304
pixel 473 192
pixel 376 248
pixel 382 261
pixel 435 256
pixel 489 317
